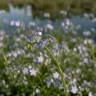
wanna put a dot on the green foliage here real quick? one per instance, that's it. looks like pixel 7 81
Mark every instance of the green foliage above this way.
pixel 54 6
pixel 17 80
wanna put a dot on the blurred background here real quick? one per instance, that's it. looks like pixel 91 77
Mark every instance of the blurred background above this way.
pixel 46 45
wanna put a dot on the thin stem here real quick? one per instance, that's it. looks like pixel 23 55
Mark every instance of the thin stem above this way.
pixel 60 71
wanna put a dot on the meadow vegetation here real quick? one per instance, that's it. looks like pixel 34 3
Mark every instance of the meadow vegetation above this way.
pixel 48 59
pixel 37 63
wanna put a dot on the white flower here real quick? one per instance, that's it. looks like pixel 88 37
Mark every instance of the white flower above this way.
pixel 68 22
pixel 63 12
pixel 1 44
pixel 17 23
pixel 74 89
pixel 15 54
pixel 1 38
pixel 88 41
pixel 12 23
pixel 78 70
pixel 40 33
pixel 75 49
pixel 40 58
pixel 56 75
pixel 49 26
pixel 25 71
pixel 86 33
pixel 90 94
pixel 29 67
pixel 18 39
pixel 33 72
pixel 73 81
pixel 86 83
pixel 9 54
pixel 86 60
pixel 86 15
pixel 62 24
pixel 22 36
pixel 19 52
pixel 46 15
pixel 37 90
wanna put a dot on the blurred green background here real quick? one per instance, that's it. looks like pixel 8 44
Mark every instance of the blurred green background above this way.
pixel 53 6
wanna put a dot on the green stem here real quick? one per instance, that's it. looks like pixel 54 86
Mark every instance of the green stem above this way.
pixel 60 71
